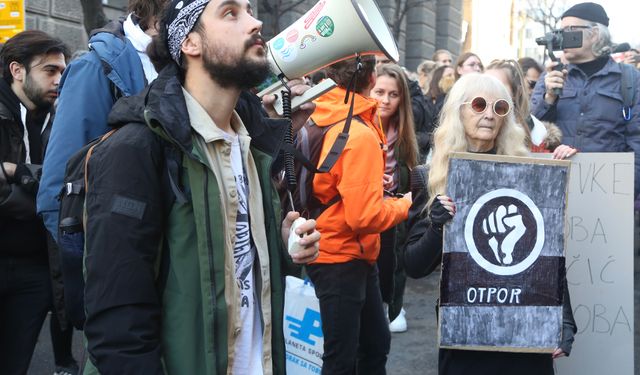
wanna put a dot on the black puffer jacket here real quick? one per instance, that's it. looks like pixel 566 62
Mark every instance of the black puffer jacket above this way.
pixel 21 231
pixel 421 118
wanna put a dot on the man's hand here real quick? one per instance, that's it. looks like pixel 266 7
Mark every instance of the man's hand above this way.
pixel 387 181
pixel 631 58
pixel 558 353
pixel 564 152
pixel 553 80
pixel 310 238
pixel 408 196
pixel 301 115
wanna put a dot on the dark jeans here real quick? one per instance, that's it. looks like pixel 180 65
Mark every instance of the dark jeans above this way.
pixel 391 268
pixel 356 332
pixel 25 299
pixel 387 264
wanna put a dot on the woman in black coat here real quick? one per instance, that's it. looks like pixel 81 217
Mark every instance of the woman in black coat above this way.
pixel 476 117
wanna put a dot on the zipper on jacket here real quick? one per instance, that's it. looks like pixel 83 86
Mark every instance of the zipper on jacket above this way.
pixel 210 254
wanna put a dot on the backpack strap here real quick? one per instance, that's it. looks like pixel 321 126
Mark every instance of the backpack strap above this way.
pixel 334 153
pixel 338 146
pixel 115 91
pixel 88 156
pixel 172 165
pixel 627 89
pixel 330 160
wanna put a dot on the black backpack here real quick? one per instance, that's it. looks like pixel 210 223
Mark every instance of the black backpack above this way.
pixel 71 235
pixel 306 151
pixel 71 230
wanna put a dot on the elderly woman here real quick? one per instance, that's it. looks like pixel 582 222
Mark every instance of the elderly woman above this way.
pixel 478 117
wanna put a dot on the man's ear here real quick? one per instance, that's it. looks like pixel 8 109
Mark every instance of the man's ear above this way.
pixel 192 45
pixel 595 34
pixel 17 70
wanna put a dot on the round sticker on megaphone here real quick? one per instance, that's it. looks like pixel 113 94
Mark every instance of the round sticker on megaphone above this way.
pixel 289 53
pixel 292 35
pixel 325 26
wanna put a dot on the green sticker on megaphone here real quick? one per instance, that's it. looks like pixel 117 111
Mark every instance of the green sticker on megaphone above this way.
pixel 325 26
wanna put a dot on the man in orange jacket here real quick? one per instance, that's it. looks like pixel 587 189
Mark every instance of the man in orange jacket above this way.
pixel 345 274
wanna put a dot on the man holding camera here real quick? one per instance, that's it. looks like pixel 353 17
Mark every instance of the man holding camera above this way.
pixel 585 99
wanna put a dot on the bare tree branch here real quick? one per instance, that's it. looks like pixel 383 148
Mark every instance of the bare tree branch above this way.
pixel 545 12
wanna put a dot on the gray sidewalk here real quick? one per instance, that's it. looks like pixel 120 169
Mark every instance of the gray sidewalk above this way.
pixel 412 352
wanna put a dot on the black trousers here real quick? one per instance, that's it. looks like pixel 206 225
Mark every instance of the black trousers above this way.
pixel 356 332
pixel 25 299
pixel 391 268
pixel 387 264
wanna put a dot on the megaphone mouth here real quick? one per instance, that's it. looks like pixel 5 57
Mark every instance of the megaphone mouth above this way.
pixel 385 42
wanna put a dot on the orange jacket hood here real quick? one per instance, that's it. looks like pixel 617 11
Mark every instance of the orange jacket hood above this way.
pixel 330 107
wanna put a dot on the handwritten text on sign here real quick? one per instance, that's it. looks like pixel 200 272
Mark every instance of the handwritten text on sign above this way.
pixel 600 263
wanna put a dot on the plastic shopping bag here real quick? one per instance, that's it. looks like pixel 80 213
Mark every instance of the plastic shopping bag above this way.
pixel 302 328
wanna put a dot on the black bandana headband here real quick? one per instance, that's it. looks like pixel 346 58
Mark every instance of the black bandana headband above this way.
pixel 180 20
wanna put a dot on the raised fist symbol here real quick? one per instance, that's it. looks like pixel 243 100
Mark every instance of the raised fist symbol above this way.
pixel 507 222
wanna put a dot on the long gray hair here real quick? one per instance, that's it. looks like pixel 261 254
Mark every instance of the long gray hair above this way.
pixel 603 45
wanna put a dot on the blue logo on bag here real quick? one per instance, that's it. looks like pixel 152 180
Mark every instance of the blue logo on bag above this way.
pixel 310 325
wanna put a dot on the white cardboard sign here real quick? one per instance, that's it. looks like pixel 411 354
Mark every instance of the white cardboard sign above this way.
pixel 599 263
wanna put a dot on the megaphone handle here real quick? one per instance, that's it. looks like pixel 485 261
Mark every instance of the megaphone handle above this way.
pixel 289 167
pixel 558 68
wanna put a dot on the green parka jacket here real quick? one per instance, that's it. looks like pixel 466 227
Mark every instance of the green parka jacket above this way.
pixel 155 292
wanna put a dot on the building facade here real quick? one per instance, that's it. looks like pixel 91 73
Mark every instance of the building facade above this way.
pixel 63 18
pixel 428 25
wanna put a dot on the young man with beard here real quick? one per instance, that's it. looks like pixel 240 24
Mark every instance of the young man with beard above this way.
pixel 32 64
pixel 189 279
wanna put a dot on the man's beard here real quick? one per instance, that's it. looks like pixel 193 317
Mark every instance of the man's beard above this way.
pixel 36 94
pixel 242 73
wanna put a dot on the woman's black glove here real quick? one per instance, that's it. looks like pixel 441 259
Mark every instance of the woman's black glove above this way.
pixel 438 214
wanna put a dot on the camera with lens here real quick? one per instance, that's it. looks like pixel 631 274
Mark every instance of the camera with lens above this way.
pixel 559 39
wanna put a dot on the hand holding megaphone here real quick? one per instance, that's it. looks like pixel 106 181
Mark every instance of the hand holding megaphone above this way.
pixel 302 110
pixel 302 238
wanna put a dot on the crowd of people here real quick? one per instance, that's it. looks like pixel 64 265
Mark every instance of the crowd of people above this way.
pixel 183 262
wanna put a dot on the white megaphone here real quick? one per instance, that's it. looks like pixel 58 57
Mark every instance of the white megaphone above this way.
pixel 333 30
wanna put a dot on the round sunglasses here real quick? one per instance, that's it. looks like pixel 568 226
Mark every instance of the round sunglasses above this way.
pixel 479 104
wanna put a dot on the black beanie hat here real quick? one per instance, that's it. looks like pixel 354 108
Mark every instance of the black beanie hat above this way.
pixel 588 11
